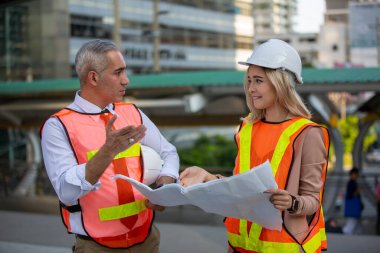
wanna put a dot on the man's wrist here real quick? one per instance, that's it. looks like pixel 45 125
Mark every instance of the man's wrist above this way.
pixel 165 180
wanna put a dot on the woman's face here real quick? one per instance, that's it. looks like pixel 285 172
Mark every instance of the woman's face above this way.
pixel 260 89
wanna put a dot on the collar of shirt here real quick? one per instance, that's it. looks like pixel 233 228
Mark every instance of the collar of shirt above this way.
pixel 82 105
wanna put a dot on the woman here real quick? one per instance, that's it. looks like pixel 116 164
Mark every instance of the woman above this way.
pixel 278 129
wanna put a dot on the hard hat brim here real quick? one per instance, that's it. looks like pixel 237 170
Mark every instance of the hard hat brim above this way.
pixel 298 78
pixel 244 63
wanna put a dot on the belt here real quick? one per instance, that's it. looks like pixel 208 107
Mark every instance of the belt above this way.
pixel 83 237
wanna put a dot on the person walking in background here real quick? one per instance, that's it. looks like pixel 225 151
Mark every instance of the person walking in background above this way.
pixel 97 136
pixel 278 129
pixel 353 205
pixel 378 208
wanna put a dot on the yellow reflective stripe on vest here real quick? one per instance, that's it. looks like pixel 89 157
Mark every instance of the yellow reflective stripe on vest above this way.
pixel 284 141
pixel 315 242
pixel 245 148
pixel 236 240
pixel 263 246
pixel 252 241
pixel 132 151
pixel 122 211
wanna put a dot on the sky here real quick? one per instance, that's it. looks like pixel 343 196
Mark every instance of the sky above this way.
pixel 310 15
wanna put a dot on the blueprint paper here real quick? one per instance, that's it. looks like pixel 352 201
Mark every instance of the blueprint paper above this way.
pixel 239 196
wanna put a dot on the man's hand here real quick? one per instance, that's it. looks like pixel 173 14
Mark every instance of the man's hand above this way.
pixel 161 181
pixel 165 180
pixel 154 207
pixel 116 142
pixel 121 139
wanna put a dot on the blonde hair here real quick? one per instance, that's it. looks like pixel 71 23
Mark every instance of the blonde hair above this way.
pixel 284 84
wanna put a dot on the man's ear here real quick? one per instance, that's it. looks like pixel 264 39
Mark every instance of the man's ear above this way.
pixel 92 77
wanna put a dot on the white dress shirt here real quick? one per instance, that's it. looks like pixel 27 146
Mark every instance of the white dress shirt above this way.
pixel 68 178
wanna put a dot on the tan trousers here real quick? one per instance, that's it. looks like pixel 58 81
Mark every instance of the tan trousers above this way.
pixel 151 245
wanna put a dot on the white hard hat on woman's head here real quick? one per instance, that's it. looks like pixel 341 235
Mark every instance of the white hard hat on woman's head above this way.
pixel 276 54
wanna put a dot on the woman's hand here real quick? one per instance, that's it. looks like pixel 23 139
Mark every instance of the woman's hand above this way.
pixel 193 175
pixel 280 199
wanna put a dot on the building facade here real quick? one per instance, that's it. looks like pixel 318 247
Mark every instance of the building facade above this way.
pixel 193 35
pixel 347 37
pixel 275 19
pixel 274 16
pixel 364 34
pixel 34 38
pixel 305 43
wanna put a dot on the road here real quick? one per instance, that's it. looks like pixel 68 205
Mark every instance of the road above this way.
pixel 37 227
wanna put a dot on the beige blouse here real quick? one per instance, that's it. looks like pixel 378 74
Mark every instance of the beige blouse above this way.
pixel 305 180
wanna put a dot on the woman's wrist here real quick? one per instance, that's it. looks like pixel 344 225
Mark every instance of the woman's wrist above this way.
pixel 211 177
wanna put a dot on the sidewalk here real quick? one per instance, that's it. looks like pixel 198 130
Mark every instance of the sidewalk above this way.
pixel 22 232
pixel 183 229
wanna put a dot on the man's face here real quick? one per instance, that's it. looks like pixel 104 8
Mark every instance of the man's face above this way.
pixel 113 80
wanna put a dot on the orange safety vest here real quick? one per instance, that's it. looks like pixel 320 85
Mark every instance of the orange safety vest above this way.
pixel 257 143
pixel 115 215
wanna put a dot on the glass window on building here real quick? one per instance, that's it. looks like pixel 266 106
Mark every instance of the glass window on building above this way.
pixel 90 27
pixel 14 47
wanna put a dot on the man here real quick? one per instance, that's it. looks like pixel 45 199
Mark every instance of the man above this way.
pixel 94 138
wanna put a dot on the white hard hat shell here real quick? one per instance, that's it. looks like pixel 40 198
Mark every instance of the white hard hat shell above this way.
pixel 152 164
pixel 276 54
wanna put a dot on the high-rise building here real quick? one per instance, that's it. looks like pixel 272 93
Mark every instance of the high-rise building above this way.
pixel 185 34
pixel 275 19
pixel 305 43
pixel 34 39
pixel 274 16
pixel 338 46
pixel 364 33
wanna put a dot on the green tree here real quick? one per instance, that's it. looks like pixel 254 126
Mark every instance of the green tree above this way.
pixel 349 130
pixel 215 152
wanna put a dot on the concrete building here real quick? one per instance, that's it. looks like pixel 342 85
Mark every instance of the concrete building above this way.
pixel 305 43
pixel 187 35
pixel 34 37
pixel 274 16
pixel 275 19
pixel 364 33
pixel 341 40
pixel 332 43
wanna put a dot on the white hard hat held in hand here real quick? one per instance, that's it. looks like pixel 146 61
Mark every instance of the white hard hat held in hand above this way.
pixel 152 164
pixel 276 54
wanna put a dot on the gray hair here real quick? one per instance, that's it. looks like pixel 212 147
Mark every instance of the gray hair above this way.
pixel 92 57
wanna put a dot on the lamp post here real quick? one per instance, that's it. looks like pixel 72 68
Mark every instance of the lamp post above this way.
pixel 156 38
pixel 8 47
pixel 378 39
pixel 116 27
